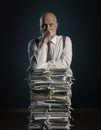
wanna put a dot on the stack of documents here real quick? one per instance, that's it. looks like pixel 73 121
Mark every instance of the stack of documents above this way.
pixel 50 99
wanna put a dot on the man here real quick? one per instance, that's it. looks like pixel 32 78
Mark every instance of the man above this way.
pixel 49 50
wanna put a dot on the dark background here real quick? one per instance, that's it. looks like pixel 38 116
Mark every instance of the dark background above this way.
pixel 20 22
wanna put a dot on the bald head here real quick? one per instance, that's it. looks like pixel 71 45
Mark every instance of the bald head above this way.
pixel 48 16
pixel 48 22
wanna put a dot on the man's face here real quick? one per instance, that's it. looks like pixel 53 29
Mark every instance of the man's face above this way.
pixel 48 24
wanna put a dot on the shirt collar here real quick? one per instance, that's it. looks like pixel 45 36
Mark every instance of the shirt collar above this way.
pixel 54 39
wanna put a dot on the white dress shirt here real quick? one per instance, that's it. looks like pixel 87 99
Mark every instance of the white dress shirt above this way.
pixel 60 57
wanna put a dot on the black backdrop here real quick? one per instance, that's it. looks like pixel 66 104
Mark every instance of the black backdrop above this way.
pixel 20 22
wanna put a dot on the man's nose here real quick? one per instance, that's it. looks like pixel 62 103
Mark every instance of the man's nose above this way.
pixel 48 27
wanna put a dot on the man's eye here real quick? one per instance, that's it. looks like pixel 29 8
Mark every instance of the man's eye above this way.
pixel 51 24
pixel 43 26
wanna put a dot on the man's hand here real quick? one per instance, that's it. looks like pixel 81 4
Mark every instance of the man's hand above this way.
pixel 47 36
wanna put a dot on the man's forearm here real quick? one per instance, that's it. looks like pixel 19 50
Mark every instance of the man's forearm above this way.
pixel 39 57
